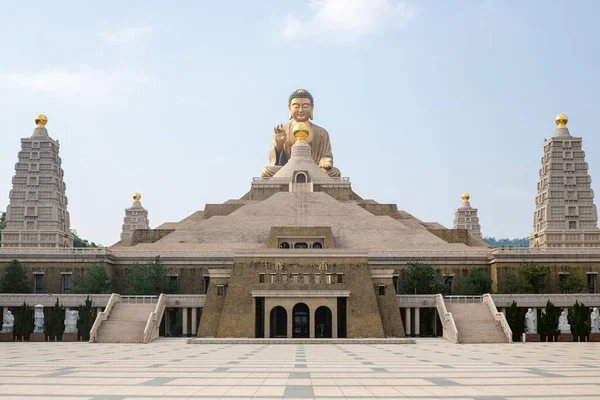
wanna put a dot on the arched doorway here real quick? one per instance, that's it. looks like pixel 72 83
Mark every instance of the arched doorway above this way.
pixel 323 326
pixel 278 322
pixel 301 321
pixel 301 245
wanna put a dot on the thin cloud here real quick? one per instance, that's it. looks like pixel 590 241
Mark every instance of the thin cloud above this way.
pixel 83 85
pixel 347 20
pixel 125 36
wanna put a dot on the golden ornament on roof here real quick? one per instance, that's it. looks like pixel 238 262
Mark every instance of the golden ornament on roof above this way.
pixel 41 120
pixel 137 197
pixel 301 131
pixel 561 120
pixel 466 197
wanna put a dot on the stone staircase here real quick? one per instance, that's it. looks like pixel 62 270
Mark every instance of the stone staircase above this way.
pixel 476 324
pixel 125 324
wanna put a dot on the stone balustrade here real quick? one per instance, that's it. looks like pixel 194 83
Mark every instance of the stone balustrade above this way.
pixel 539 300
pixel 99 300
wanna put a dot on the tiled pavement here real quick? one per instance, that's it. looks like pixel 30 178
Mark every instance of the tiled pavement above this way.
pixel 172 369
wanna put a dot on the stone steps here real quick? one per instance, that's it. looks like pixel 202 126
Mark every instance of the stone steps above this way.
pixel 476 324
pixel 125 324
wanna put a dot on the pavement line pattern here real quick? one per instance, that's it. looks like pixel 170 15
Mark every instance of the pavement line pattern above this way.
pixel 172 369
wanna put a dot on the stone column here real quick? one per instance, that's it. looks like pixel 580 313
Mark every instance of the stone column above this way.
pixel 407 327
pixel 434 322
pixel 311 324
pixel 194 321
pixel 534 309
pixel 98 310
pixel 4 311
pixel 503 311
pixel 267 321
pixel 334 319
pixel 184 322
pixel 417 321
pixel 290 322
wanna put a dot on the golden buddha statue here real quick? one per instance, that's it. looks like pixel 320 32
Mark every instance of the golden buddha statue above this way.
pixel 300 110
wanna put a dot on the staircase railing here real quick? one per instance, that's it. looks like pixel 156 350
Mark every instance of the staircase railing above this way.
pixel 103 316
pixel 154 319
pixel 498 316
pixel 450 330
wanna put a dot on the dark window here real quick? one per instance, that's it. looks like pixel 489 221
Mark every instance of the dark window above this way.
pixel 562 278
pixel 381 290
pixel 591 278
pixel 261 278
pixel 39 283
pixel 66 283
pixel 284 245
pixel 220 290
pixel 317 245
pixel 340 278
pixel 448 283
pixel 572 224
pixel 300 178
pixel 301 245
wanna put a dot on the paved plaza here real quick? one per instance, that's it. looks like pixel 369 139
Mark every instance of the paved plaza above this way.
pixel 173 369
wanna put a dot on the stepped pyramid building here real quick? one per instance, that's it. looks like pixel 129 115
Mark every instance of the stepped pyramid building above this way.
pixel 565 214
pixel 37 215
pixel 136 217
pixel 465 217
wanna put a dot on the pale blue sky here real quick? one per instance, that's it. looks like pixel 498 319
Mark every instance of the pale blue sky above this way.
pixel 423 100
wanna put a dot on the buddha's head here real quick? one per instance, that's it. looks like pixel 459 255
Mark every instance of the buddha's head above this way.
pixel 300 106
pixel 41 120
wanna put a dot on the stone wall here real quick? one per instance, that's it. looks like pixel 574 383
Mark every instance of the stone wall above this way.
pixel 148 235
pixel 391 210
pixel 211 210
pixel 458 236
pixel 297 231
pixel 237 319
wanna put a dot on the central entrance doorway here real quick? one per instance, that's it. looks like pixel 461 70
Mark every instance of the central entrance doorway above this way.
pixel 278 322
pixel 301 321
pixel 323 322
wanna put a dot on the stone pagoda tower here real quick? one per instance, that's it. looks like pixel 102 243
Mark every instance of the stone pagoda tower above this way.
pixel 37 215
pixel 136 217
pixel 465 217
pixel 565 214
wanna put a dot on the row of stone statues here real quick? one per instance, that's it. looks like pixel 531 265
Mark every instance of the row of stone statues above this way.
pixel 563 321
pixel 71 318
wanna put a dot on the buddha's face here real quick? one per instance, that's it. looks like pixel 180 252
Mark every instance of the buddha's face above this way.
pixel 300 109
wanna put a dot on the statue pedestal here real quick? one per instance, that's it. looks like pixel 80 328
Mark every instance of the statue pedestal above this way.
pixel 6 336
pixel 69 337
pixel 532 337
pixel 37 337
pixel 595 337
pixel 565 337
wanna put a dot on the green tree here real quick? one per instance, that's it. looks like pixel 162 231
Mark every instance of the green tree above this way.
pixel 420 278
pixel 511 283
pixel 548 323
pixel 95 281
pixel 572 283
pixel 14 278
pixel 79 242
pixel 475 283
pixel 87 317
pixel 535 276
pixel 580 321
pixel 23 322
pixel 2 225
pixel 492 241
pixel 516 320
pixel 55 322
pixel 149 279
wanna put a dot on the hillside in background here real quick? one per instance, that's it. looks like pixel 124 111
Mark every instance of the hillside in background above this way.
pixel 505 242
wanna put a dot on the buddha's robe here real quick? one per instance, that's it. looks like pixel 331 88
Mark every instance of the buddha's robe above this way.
pixel 318 139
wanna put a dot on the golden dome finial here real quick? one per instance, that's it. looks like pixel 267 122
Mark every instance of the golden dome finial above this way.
pixel 301 131
pixel 137 197
pixel 561 120
pixel 465 197
pixel 41 120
